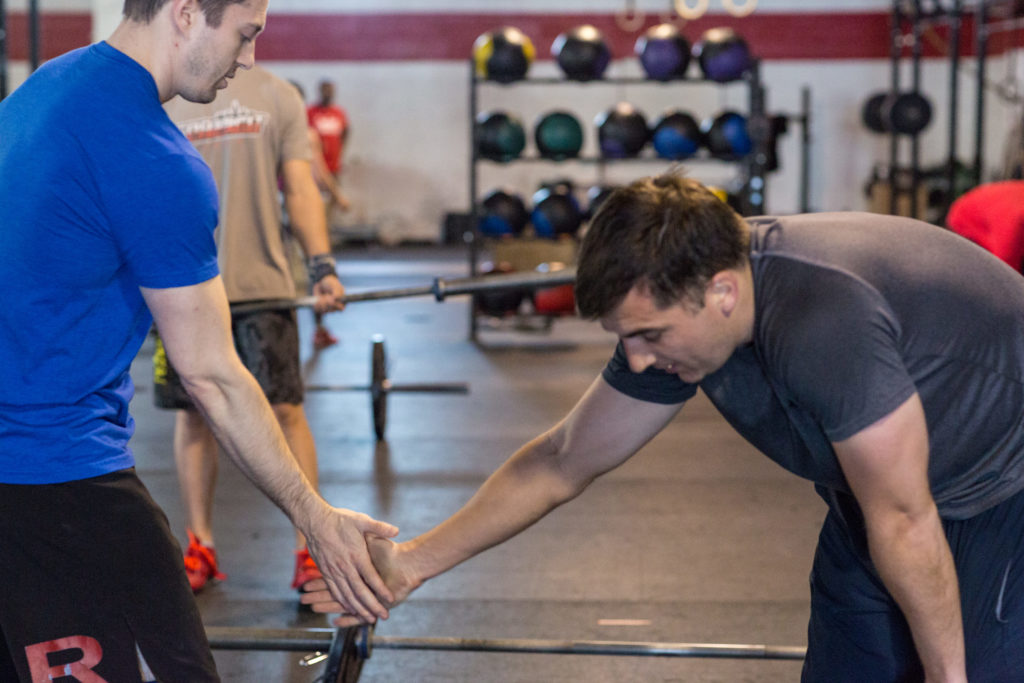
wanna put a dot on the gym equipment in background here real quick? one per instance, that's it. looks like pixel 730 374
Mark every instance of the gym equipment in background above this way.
pixel 500 136
pixel 722 54
pixel 556 212
pixel 621 131
pixel 558 135
pixel 582 53
pixel 503 213
pixel 664 52
pixel 676 135
pixel 504 54
pixel 727 137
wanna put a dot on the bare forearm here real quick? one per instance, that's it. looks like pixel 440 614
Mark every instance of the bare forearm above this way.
pixel 528 486
pixel 247 430
pixel 915 562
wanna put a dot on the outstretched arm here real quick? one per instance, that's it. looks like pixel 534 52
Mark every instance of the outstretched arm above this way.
pixel 604 429
pixel 194 324
pixel 886 465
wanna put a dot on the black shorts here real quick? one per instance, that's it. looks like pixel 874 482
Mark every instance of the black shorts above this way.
pixel 268 344
pixel 91 576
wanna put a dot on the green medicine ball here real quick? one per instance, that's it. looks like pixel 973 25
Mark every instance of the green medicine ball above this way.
pixel 558 135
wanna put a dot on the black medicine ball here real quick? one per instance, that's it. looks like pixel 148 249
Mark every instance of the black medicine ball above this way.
pixel 621 131
pixel 582 53
pixel 500 136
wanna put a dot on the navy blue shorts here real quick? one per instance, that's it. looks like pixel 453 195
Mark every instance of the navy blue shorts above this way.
pixel 91 576
pixel 857 632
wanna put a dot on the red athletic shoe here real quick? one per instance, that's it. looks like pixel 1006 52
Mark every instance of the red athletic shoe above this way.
pixel 322 338
pixel 200 563
pixel 305 569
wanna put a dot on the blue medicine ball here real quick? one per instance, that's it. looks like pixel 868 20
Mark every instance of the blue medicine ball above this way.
pixel 727 137
pixel 555 213
pixel 502 214
pixel 676 135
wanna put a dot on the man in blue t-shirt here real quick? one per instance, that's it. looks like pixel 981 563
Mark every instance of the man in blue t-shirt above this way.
pixel 107 226
pixel 881 358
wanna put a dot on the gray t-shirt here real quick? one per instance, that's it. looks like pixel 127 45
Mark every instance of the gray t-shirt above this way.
pixel 254 126
pixel 853 314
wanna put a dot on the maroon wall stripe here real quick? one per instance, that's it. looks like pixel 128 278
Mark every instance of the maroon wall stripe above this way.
pixel 447 36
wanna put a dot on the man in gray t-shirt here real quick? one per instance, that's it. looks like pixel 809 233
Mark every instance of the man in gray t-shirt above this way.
pixel 881 358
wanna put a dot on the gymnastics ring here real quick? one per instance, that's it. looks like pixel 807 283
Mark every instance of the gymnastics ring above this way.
pixel 690 13
pixel 737 10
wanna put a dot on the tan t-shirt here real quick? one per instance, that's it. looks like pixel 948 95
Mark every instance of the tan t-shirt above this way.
pixel 253 126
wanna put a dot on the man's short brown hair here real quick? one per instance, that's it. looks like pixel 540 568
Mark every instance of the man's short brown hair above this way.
pixel 144 10
pixel 668 234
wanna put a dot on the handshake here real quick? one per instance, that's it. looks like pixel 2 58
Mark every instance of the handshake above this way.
pixel 394 566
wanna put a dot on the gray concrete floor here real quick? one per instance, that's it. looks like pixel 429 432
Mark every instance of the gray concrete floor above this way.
pixel 698 538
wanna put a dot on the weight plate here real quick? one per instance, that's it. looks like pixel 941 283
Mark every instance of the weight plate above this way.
pixel 379 386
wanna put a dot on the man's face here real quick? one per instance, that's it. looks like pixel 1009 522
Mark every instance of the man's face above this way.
pixel 681 339
pixel 326 93
pixel 215 53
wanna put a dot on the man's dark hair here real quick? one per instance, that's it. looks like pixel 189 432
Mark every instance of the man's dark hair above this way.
pixel 668 235
pixel 143 11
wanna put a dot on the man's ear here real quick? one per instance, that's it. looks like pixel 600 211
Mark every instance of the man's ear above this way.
pixel 187 15
pixel 723 291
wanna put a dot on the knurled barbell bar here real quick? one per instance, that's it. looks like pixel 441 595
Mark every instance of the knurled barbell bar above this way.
pixel 380 386
pixel 349 648
pixel 440 289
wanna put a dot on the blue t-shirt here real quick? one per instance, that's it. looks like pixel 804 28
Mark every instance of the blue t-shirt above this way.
pixel 853 314
pixel 101 194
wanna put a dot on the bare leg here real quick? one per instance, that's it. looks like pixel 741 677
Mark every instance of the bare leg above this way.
pixel 195 454
pixel 292 419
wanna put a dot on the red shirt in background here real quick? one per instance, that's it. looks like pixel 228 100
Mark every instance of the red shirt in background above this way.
pixel 992 216
pixel 330 123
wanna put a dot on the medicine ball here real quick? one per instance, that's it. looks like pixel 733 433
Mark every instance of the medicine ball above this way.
pixel 502 213
pixel 498 302
pixel 503 55
pixel 621 131
pixel 727 137
pixel 871 113
pixel 676 135
pixel 558 135
pixel 582 53
pixel 723 55
pixel 664 52
pixel 500 136
pixel 596 196
pixel 555 213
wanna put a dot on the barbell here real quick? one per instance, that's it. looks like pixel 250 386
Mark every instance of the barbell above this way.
pixel 348 648
pixel 380 386
pixel 440 289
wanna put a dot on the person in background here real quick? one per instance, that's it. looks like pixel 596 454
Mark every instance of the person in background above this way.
pixel 992 216
pixel 255 136
pixel 107 227
pixel 332 129
pixel 881 358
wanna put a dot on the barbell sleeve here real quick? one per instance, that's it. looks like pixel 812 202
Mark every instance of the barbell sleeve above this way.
pixel 440 290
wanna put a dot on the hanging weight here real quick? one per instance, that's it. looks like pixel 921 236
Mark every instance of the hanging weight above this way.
pixel 908 113
pixel 380 386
